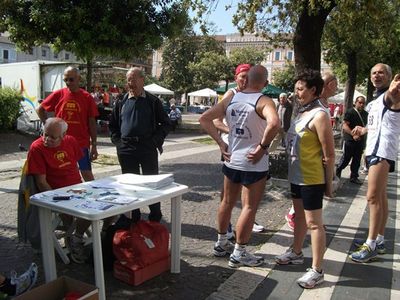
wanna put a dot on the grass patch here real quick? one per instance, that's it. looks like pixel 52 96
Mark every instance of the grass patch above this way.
pixel 206 141
pixel 104 159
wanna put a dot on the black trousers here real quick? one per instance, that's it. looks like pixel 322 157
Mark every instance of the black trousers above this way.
pixel 352 151
pixel 146 159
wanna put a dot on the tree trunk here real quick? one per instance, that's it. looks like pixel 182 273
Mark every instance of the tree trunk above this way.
pixel 351 79
pixel 307 38
pixel 89 64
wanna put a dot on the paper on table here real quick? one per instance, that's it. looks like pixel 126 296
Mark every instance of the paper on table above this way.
pixel 94 205
pixel 117 199
pixel 151 181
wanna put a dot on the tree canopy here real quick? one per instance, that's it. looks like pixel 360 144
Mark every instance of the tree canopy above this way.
pixel 120 29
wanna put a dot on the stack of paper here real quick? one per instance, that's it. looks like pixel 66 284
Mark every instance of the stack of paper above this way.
pixel 150 181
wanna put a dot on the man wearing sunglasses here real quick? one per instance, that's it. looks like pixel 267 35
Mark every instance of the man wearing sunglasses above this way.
pixel 78 108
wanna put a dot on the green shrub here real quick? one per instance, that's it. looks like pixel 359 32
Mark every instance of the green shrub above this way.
pixel 9 107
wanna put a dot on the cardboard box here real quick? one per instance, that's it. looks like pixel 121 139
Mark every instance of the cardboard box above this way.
pixel 134 276
pixel 57 289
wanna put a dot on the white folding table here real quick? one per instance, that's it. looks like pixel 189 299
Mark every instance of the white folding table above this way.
pixel 145 197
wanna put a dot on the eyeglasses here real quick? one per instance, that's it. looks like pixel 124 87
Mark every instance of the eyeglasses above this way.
pixel 69 79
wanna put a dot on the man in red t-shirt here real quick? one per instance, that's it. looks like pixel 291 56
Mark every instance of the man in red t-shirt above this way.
pixel 78 108
pixel 53 161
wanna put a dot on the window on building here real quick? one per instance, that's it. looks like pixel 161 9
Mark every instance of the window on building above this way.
pixel 30 51
pixel 55 55
pixel 290 55
pixel 66 55
pixel 277 55
pixel 12 55
pixel 5 54
pixel 44 52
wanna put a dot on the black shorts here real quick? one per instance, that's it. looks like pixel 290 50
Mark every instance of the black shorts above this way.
pixel 243 177
pixel 374 160
pixel 311 195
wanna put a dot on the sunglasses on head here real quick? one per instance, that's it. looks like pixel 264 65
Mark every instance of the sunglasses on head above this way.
pixel 69 79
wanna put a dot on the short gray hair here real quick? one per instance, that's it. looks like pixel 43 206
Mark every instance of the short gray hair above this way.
pixel 56 122
pixel 72 69
pixel 258 74
pixel 283 95
pixel 386 67
pixel 136 70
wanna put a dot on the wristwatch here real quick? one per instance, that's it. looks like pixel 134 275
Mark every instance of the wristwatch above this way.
pixel 265 147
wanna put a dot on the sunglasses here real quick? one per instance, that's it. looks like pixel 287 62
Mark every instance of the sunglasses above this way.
pixel 69 79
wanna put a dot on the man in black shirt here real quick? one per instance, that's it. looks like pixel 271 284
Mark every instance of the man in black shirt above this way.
pixel 353 143
pixel 138 127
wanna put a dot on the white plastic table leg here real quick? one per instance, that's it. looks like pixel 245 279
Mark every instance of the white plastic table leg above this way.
pixel 98 259
pixel 176 234
pixel 46 230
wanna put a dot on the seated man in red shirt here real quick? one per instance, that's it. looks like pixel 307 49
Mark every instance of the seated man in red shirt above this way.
pixel 53 161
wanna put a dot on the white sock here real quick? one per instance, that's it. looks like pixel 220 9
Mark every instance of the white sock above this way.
pixel 371 244
pixel 239 249
pixel 291 211
pixel 222 238
pixel 380 239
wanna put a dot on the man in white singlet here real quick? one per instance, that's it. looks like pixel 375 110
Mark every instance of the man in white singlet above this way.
pixel 253 123
pixel 381 153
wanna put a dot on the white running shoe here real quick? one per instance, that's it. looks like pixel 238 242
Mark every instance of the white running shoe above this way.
pixel 311 278
pixel 289 257
pixel 258 228
pixel 245 259
pixel 223 249
pixel 25 281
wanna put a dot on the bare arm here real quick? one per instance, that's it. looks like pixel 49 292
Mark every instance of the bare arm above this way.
pixel 41 113
pixel 266 108
pixel 42 183
pixel 206 122
pixel 218 123
pixel 93 138
pixel 322 126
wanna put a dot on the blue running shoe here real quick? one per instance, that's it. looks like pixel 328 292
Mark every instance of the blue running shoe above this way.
pixel 364 254
pixel 380 248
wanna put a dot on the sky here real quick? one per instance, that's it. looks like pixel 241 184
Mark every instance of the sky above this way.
pixel 222 18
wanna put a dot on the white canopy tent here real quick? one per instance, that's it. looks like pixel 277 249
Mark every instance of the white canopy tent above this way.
pixel 205 96
pixel 339 98
pixel 157 89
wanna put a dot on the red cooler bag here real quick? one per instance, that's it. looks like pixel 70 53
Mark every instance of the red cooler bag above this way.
pixel 145 243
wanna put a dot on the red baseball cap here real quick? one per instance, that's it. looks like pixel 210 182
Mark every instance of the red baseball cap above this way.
pixel 242 68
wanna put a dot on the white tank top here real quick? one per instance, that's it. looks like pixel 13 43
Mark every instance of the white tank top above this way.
pixel 246 129
pixel 383 130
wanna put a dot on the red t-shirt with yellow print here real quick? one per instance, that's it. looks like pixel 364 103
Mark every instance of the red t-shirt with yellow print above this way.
pixel 59 164
pixel 75 109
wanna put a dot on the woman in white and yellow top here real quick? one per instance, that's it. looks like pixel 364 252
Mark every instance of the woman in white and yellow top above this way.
pixel 311 163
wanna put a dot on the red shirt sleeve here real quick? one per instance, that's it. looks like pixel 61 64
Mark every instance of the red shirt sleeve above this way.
pixel 36 161
pixel 92 107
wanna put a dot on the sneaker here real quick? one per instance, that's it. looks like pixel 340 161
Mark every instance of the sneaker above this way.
pixel 246 259
pixel 356 181
pixel 229 233
pixel 380 248
pixel 364 254
pixel 311 278
pixel 77 249
pixel 364 171
pixel 257 228
pixel 222 250
pixel 290 220
pixel 289 257
pixel 25 281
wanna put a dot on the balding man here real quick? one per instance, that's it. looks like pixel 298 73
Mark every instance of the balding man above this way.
pixel 285 110
pixel 78 108
pixel 381 75
pixel 52 160
pixel 253 124
pixel 138 127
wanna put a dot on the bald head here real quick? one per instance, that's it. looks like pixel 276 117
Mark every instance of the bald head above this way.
pixel 135 79
pixel 72 78
pixel 330 85
pixel 257 77
pixel 54 131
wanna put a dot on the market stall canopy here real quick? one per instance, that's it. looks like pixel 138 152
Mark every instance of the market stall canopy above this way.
pixel 157 89
pixel 271 90
pixel 339 98
pixel 208 93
